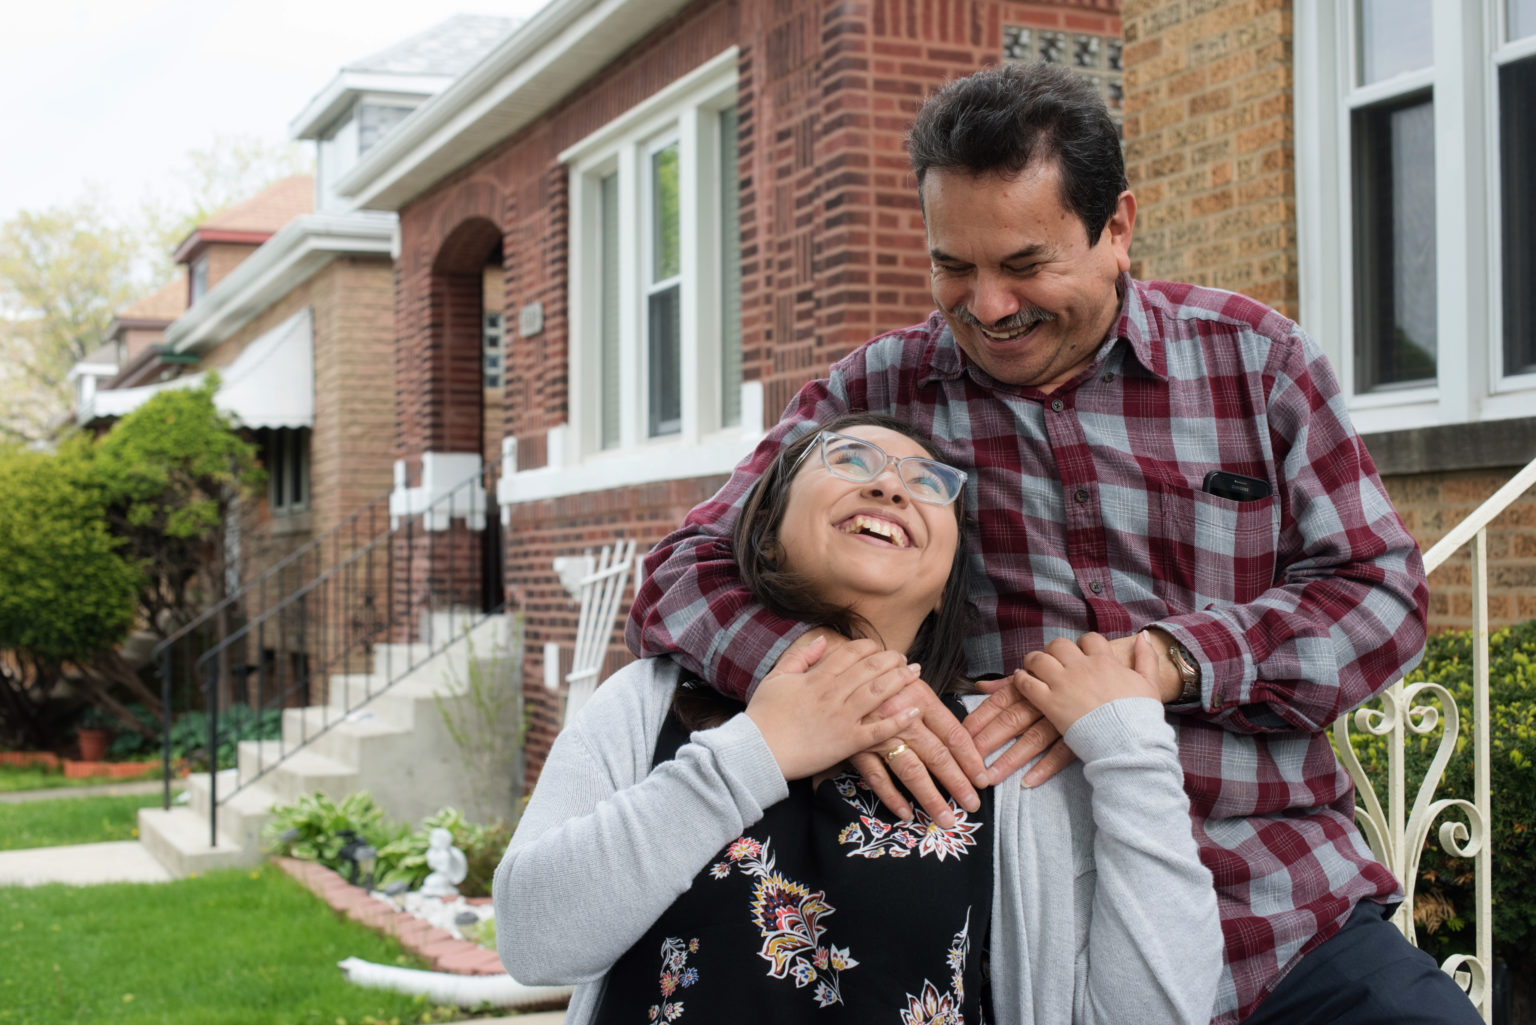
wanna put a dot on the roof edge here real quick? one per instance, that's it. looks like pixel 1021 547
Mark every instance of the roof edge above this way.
pixel 293 255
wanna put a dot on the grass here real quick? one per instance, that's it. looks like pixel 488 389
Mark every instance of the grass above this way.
pixel 237 947
pixel 37 777
pixel 71 820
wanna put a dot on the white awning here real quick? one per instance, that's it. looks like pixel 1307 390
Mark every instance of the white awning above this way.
pixel 270 384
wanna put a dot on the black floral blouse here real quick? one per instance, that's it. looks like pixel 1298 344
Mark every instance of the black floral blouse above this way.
pixel 828 910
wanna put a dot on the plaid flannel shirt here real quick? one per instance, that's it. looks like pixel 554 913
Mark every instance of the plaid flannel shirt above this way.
pixel 1085 512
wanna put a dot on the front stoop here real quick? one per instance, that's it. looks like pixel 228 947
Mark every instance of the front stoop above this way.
pixel 394 745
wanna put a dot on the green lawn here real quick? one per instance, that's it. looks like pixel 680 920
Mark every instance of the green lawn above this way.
pixel 230 948
pixel 71 820
pixel 37 777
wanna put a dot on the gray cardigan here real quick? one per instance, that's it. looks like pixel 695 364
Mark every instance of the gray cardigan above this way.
pixel 606 845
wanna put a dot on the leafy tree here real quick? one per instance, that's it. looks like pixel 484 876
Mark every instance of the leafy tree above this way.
pixel 170 472
pixel 64 272
pixel 66 592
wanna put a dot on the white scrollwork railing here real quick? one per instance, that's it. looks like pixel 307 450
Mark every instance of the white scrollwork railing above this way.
pixel 1398 833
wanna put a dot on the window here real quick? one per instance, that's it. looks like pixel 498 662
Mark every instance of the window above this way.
pixel 199 277
pixel 656 282
pixel 1414 122
pixel 493 340
pixel 286 457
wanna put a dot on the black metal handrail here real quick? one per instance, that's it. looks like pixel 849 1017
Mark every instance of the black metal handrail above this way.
pixel 250 598
pixel 374 591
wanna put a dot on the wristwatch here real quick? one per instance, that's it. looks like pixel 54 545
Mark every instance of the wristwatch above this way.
pixel 1189 673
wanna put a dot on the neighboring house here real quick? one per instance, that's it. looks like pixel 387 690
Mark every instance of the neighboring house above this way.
pixel 290 299
pixel 682 212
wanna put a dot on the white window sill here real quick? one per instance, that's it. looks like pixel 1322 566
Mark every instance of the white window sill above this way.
pixel 626 468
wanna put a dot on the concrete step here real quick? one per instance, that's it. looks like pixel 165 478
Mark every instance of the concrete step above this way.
pixel 198 790
pixel 308 772
pixel 354 738
pixel 178 839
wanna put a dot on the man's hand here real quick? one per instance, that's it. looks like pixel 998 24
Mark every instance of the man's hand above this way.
pixel 1006 715
pixel 937 746
pixel 817 707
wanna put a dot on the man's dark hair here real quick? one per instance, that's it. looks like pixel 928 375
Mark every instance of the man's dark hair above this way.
pixel 940 642
pixel 1001 119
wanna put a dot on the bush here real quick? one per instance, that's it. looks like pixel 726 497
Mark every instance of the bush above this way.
pixel 1444 898
pixel 310 829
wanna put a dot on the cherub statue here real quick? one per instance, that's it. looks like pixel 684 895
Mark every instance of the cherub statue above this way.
pixel 447 863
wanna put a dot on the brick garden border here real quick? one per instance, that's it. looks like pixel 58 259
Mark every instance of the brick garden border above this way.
pixel 433 945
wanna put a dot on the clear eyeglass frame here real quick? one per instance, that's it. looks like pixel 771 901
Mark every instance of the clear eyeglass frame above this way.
pixel 926 480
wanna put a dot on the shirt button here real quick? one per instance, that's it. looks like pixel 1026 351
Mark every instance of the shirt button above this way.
pixel 1096 587
pixel 1057 405
pixel 1081 494
pixel 1109 375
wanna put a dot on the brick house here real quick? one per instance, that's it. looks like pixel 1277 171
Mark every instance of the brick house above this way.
pixel 289 297
pixel 681 212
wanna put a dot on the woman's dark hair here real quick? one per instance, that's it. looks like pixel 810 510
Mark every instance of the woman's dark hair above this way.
pixel 940 642
pixel 1000 119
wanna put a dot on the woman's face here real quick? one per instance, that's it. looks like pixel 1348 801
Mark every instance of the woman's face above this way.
pixel 859 541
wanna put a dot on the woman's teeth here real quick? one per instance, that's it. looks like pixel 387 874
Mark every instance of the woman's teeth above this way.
pixel 880 528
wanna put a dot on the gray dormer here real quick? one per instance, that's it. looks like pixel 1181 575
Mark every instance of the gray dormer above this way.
pixel 368 97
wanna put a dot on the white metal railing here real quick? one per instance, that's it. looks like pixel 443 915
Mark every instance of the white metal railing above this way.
pixel 598 584
pixel 1398 833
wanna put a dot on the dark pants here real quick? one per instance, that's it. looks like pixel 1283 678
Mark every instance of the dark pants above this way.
pixel 1366 974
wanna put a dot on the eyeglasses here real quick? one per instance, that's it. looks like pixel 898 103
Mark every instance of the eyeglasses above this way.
pixel 854 459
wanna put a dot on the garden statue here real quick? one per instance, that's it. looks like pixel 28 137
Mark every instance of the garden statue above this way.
pixel 447 863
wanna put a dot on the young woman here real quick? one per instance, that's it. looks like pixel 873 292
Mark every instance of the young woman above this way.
pixel 685 859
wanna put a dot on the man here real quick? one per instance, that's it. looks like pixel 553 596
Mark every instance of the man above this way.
pixel 1145 456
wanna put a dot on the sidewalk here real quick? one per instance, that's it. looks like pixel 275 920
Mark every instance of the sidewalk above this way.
pixel 142 786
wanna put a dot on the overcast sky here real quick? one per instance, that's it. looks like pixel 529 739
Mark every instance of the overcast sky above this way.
pixel 115 92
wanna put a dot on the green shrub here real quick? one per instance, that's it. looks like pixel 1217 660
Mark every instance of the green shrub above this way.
pixel 189 733
pixel 1444 900
pixel 310 829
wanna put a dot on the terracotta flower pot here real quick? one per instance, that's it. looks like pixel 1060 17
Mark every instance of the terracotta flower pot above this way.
pixel 93 744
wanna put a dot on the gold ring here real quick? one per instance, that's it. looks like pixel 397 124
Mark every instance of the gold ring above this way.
pixel 893 752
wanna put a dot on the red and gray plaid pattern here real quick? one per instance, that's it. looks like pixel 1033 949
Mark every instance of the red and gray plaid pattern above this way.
pixel 1086 513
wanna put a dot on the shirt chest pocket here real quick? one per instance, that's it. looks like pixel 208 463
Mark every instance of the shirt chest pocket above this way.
pixel 1212 550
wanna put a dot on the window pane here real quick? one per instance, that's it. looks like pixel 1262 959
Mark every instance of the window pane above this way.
pixel 1517 149
pixel 1394 210
pixel 664 361
pixel 1521 17
pixel 666 251
pixel 298 467
pixel 608 346
pixel 730 274
pixel 1394 38
pixel 277 471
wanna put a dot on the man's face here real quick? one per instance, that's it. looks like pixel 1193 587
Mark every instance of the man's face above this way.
pixel 1024 293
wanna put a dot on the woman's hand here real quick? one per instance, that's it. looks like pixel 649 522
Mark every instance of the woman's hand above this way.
pixel 818 707
pixel 1066 681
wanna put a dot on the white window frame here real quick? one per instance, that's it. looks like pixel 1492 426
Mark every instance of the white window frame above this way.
pixel 1470 384
pixel 687 111
pixel 286 448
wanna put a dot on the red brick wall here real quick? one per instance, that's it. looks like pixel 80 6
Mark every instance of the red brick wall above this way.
pixel 832 241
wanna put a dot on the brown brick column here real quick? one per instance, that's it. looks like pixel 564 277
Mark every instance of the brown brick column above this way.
pixel 1210 146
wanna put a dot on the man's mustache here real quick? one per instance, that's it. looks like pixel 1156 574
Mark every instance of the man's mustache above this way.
pixel 1025 318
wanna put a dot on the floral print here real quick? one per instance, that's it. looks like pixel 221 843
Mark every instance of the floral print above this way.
pixel 675 975
pixel 789 915
pixel 900 839
pixel 930 1007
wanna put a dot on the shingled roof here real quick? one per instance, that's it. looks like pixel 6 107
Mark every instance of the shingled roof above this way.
pixel 446 48
pixel 268 210
pixel 166 303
